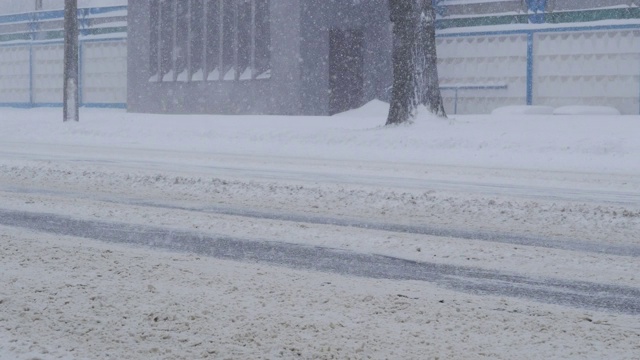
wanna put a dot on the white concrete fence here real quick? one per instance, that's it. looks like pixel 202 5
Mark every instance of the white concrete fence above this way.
pixel 578 65
pixel 31 74
pixel 31 58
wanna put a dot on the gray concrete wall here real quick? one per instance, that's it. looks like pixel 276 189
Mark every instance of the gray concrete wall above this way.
pixel 299 81
pixel 279 95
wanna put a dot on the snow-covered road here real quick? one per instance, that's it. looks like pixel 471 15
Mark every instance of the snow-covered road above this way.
pixel 581 294
pixel 536 262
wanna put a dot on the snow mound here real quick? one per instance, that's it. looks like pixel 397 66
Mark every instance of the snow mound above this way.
pixel 586 110
pixel 374 108
pixel 523 110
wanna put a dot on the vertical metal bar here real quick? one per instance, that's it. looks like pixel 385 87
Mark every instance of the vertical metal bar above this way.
pixel 80 68
pixel 34 26
pixel 31 77
pixel 455 102
pixel 530 68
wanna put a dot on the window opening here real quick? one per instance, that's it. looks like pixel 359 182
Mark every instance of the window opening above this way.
pixel 154 39
pixel 198 40
pixel 262 41
pixel 181 45
pixel 244 26
pixel 213 34
pixel 166 40
pixel 196 49
pixel 229 39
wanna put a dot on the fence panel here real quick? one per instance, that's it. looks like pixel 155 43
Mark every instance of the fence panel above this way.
pixel 597 65
pixel 48 63
pixel 15 78
pixel 588 68
pixel 31 57
pixel 104 72
pixel 480 73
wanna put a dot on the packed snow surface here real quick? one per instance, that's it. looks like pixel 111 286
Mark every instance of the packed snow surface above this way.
pixel 568 179
pixel 586 110
pixel 593 143
pixel 523 110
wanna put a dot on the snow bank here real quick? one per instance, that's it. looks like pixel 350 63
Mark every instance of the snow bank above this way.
pixel 523 110
pixel 374 108
pixel 591 143
pixel 586 110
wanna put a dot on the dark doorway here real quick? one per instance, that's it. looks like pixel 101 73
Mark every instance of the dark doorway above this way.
pixel 346 70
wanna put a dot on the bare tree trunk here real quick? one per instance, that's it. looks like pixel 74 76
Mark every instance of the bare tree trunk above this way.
pixel 415 72
pixel 403 97
pixel 70 87
pixel 431 96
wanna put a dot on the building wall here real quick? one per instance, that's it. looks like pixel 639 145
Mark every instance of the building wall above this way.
pixel 300 56
pixel 318 18
pixel 281 94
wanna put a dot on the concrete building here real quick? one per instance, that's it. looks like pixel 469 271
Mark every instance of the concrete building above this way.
pixel 257 56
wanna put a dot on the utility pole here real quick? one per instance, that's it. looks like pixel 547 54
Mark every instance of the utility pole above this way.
pixel 70 87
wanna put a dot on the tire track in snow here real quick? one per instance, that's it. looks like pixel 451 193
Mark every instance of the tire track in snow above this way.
pixel 581 294
pixel 497 237
pixel 559 244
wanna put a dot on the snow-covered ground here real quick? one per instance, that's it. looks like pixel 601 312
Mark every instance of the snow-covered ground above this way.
pixel 567 179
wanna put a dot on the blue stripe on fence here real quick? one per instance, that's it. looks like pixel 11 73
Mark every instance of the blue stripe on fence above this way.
pixel 56 14
pixel 539 30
